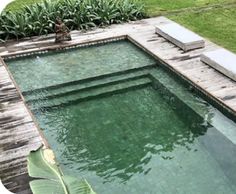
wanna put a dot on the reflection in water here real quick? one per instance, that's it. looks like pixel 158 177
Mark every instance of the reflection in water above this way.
pixel 117 137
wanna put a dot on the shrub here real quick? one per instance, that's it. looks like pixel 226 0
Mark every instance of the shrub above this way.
pixel 38 19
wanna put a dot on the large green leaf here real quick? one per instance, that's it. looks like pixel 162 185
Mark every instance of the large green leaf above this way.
pixel 42 165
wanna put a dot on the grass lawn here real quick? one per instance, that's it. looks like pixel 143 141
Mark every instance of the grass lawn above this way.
pixel 219 25
pixel 156 7
pixel 18 4
pixel 216 24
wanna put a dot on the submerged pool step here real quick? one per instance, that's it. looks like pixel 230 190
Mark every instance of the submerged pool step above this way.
pixel 91 83
pixel 82 95
pixel 88 87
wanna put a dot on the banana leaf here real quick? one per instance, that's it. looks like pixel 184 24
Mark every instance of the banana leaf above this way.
pixel 50 179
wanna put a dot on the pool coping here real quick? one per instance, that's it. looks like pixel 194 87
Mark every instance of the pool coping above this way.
pixel 186 65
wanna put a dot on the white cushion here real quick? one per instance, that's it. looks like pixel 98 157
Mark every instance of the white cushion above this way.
pixel 180 36
pixel 222 60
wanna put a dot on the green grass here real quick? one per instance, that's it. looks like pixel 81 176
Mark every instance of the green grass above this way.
pixel 219 25
pixel 156 7
pixel 18 4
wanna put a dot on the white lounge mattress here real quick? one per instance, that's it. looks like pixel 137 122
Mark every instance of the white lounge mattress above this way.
pixel 222 60
pixel 180 36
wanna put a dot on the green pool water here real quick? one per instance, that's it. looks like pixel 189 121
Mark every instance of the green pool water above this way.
pixel 76 64
pixel 137 130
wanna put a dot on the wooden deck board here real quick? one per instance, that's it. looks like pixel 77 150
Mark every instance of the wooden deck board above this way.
pixel 18 136
pixel 17 126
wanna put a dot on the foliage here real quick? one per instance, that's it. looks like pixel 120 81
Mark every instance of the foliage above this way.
pixel 42 165
pixel 38 19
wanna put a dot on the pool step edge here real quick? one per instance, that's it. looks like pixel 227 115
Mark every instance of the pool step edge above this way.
pixel 75 83
pixel 137 83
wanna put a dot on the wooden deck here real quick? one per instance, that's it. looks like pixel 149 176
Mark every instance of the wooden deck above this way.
pixel 18 134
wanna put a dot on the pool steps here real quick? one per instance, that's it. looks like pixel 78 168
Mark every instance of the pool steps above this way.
pixel 80 85
pixel 130 80
pixel 58 94
pixel 78 89
pixel 123 81
pixel 103 90
pixel 87 81
pixel 96 88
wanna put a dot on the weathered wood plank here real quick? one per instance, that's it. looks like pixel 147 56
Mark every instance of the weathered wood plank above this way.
pixel 18 136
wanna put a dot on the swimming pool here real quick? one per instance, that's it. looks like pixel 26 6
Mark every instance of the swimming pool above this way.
pixel 115 116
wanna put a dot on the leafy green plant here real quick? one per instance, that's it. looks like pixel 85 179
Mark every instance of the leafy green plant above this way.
pixel 38 19
pixel 50 179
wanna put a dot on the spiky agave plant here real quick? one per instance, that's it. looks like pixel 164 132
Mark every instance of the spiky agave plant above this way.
pixel 38 19
pixel 3 4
